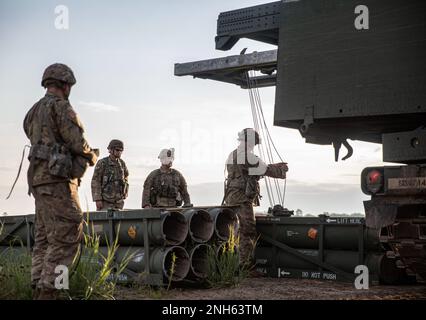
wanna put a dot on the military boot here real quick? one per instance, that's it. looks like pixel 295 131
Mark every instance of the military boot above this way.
pixel 47 294
pixel 36 293
pixel 35 290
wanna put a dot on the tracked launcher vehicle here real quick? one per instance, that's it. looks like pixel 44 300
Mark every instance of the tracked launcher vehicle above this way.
pixel 345 70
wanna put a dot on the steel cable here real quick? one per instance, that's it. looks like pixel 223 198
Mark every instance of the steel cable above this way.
pixel 268 147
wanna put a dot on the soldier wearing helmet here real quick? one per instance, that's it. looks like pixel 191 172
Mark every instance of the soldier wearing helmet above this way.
pixel 110 180
pixel 58 76
pixel 244 170
pixel 165 187
pixel 59 157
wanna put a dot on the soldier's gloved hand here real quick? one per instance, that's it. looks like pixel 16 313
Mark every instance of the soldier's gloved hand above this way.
pixel 99 205
pixel 277 170
pixel 187 205
pixel 283 166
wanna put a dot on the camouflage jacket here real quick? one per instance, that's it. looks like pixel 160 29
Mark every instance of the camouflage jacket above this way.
pixel 59 150
pixel 165 189
pixel 110 180
pixel 244 172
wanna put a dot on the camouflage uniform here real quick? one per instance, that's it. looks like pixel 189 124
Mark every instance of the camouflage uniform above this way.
pixel 242 188
pixel 58 158
pixel 110 183
pixel 165 188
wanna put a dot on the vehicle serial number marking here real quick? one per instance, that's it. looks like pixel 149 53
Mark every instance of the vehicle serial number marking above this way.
pixel 407 183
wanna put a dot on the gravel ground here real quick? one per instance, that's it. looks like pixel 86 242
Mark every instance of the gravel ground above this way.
pixel 280 289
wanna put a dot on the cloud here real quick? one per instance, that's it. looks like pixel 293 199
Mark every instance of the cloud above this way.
pixel 99 106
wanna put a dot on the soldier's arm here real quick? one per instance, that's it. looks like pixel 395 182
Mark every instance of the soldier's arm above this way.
pixel 126 172
pixel 147 190
pixel 184 190
pixel 277 170
pixel 72 132
pixel 126 179
pixel 96 183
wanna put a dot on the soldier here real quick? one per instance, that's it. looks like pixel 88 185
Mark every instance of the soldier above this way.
pixel 58 158
pixel 165 187
pixel 110 180
pixel 242 187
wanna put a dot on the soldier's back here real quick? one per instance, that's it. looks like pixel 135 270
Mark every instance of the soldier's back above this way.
pixel 41 127
pixel 40 116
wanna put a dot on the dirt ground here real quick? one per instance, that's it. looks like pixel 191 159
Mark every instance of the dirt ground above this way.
pixel 280 289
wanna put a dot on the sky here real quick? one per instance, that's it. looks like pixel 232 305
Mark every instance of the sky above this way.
pixel 123 55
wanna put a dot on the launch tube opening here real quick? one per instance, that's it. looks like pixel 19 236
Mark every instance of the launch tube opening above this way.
pixel 174 228
pixel 176 264
pixel 201 227
pixel 199 263
pixel 224 219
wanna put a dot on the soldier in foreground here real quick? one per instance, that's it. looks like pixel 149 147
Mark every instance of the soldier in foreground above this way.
pixel 242 187
pixel 110 180
pixel 59 157
pixel 165 187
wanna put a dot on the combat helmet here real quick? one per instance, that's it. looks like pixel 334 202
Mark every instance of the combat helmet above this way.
pixel 167 154
pixel 58 71
pixel 249 133
pixel 115 143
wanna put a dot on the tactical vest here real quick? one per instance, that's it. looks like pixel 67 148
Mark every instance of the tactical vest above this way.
pixel 165 185
pixel 114 185
pixel 239 178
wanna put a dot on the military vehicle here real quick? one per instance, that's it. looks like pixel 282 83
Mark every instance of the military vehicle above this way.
pixel 345 70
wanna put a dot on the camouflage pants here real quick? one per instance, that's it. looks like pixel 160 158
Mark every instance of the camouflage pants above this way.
pixel 248 235
pixel 112 205
pixel 58 231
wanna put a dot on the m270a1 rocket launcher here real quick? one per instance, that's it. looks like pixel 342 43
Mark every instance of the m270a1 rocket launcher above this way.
pixel 345 70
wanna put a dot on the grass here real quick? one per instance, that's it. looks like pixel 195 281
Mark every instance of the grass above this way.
pixel 172 270
pixel 15 274
pixel 93 275
pixel 224 264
